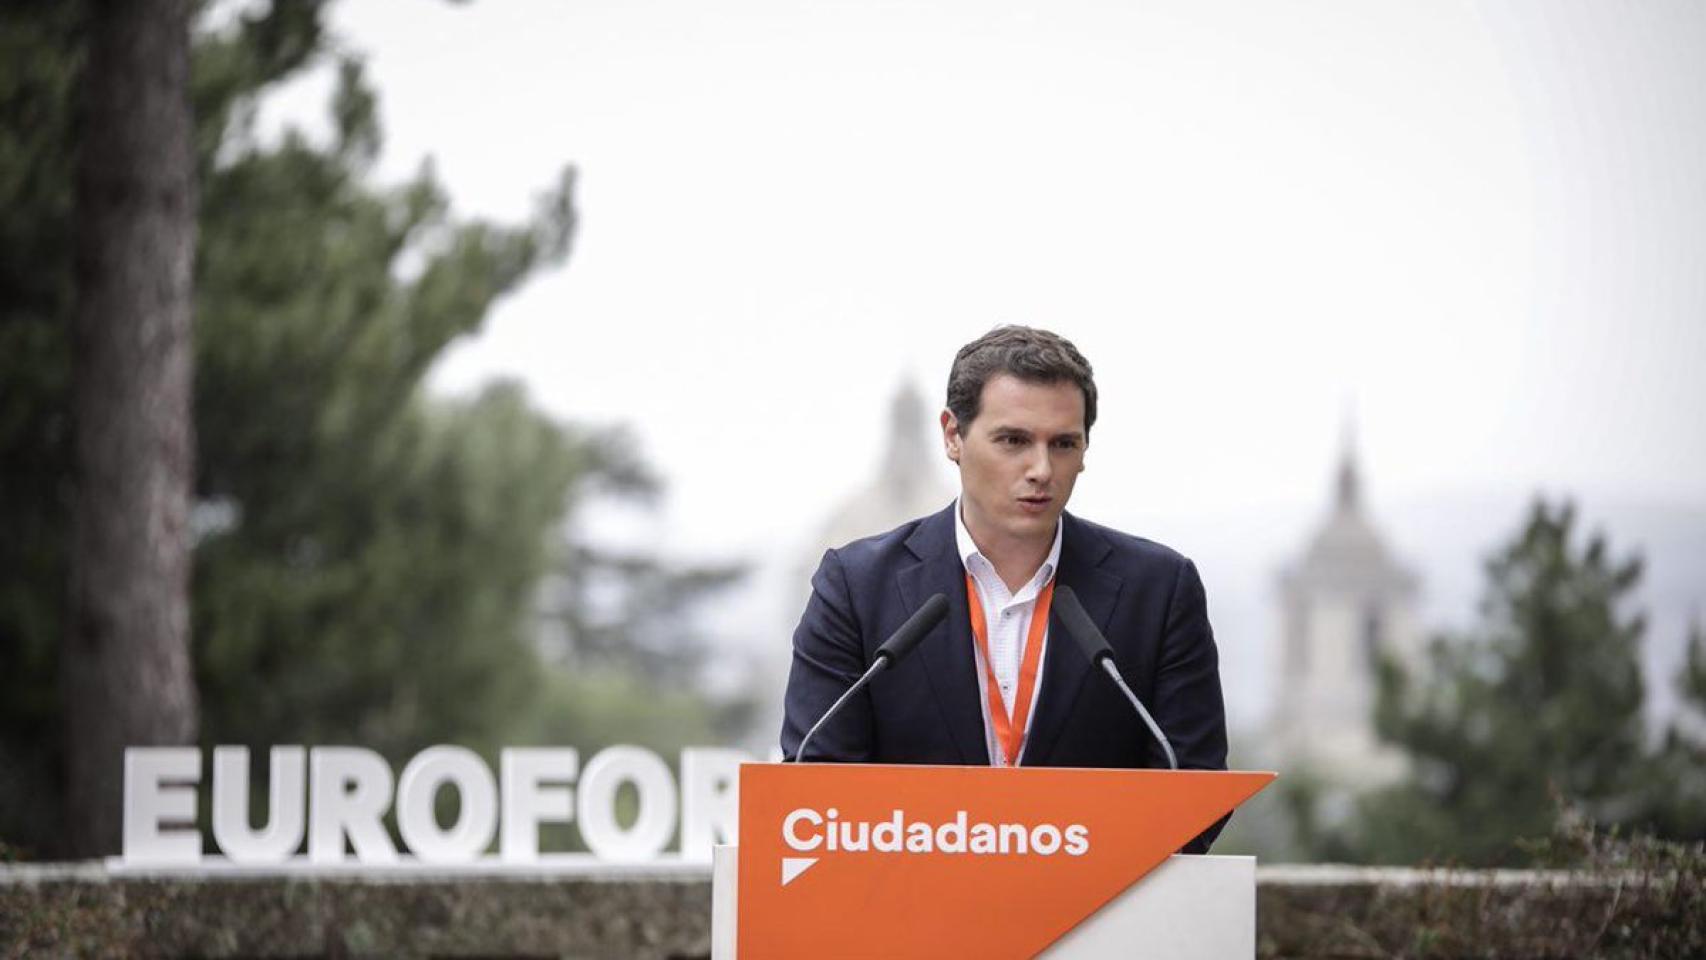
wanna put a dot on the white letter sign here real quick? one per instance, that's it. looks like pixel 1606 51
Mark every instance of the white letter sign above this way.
pixel 527 801
pixel 656 820
pixel 149 803
pixel 285 791
pixel 350 788
pixel 478 820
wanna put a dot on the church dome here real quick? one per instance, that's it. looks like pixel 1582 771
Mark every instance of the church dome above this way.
pixel 1347 552
pixel 909 482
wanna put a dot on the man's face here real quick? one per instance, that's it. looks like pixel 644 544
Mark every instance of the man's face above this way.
pixel 1019 458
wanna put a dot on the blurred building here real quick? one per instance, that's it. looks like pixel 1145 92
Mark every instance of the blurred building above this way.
pixel 1345 602
pixel 909 482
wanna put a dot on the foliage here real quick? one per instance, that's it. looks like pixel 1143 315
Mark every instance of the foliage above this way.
pixel 1674 804
pixel 367 558
pixel 39 63
pixel 1542 701
pixel 1600 894
pixel 1664 914
pixel 622 610
pixel 369 568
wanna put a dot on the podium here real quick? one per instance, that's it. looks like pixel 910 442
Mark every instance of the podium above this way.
pixel 875 860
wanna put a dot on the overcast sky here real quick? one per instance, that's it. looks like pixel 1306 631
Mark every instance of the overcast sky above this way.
pixel 1481 225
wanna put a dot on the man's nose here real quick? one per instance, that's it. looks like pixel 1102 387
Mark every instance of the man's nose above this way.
pixel 1040 468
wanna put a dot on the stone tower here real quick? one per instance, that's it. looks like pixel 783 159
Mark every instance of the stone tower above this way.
pixel 1344 602
pixel 910 480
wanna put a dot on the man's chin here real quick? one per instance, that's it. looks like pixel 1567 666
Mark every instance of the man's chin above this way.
pixel 1034 526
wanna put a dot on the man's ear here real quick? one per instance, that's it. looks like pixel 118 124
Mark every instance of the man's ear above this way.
pixel 951 439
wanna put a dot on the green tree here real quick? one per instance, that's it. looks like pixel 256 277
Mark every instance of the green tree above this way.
pixel 1675 795
pixel 366 557
pixel 40 57
pixel 1540 703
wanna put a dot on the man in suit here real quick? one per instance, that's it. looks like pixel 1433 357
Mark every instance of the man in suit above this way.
pixel 995 683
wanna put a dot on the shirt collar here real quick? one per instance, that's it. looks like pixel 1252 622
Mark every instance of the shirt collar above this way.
pixel 969 551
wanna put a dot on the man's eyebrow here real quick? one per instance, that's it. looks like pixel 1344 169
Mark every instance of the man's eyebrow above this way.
pixel 1004 430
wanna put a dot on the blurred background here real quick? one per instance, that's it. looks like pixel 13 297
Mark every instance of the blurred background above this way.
pixel 540 349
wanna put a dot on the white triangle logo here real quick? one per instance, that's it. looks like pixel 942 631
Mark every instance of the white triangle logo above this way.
pixel 794 866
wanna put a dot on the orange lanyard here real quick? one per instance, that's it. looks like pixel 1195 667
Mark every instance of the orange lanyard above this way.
pixel 1010 733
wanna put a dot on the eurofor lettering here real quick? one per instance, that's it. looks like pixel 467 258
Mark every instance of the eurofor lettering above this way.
pixel 337 796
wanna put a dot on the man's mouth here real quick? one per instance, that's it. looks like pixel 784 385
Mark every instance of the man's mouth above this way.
pixel 1035 504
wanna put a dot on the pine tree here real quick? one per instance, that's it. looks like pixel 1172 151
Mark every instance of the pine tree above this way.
pixel 1675 791
pixel 366 557
pixel 1539 704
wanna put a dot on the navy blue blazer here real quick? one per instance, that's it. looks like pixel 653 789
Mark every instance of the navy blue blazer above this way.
pixel 1147 599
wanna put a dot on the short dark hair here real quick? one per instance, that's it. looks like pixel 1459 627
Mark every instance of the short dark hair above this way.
pixel 1032 355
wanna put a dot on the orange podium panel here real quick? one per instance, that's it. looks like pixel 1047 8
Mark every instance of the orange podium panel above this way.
pixel 880 860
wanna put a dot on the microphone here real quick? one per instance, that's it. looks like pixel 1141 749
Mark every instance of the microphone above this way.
pixel 1095 647
pixel 898 645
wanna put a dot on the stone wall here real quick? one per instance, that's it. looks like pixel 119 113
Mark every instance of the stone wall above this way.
pixel 1329 911
pixel 1312 911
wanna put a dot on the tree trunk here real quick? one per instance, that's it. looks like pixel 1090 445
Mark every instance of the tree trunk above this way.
pixel 125 668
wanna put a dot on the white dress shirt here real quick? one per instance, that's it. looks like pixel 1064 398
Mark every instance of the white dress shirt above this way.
pixel 1008 617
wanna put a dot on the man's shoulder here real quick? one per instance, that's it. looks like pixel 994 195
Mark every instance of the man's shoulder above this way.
pixel 905 540
pixel 901 546
pixel 1125 549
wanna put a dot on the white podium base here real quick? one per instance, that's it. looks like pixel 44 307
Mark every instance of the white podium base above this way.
pixel 1188 908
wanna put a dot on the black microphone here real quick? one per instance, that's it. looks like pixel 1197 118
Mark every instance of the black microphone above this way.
pixel 901 642
pixel 1095 647
pixel 898 645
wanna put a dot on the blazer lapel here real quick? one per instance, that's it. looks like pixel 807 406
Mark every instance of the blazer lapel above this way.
pixel 947 652
pixel 1064 666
